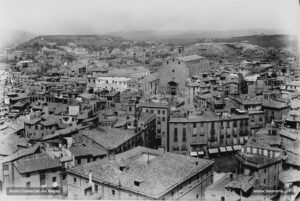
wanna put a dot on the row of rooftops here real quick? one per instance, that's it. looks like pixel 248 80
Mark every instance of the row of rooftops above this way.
pixel 206 116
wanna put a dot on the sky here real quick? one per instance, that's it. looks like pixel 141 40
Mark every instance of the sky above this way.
pixel 105 16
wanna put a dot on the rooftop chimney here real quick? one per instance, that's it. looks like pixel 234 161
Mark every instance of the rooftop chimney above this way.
pixel 90 176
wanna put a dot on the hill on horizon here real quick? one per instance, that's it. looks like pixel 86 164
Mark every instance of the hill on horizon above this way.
pixel 148 35
pixel 90 42
pixel 11 37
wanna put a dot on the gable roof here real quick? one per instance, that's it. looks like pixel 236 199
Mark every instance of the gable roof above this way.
pixel 37 162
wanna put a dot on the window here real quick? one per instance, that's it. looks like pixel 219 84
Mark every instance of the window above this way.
pixel 5 178
pixel 228 125
pixel 137 183
pixel 27 175
pixel 163 112
pixel 183 134
pixel 163 119
pixel 158 120
pixel 113 192
pixel 260 118
pixel 175 135
pixel 264 181
pixel 178 62
pixel 234 124
pixel 194 125
pixel 265 170
pixel 241 123
pixel 78 161
pixel 53 179
pixel 88 160
pixel 5 167
pixel 158 111
pixel 28 184
pixel 151 111
pixel 173 70
pixel 167 62
pixel 130 109
pixel 36 127
pixel 74 180
pixel 96 188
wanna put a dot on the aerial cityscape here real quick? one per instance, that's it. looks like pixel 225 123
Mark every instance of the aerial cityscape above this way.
pixel 127 100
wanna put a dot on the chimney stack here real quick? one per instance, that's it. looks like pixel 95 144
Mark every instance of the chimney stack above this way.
pixel 90 176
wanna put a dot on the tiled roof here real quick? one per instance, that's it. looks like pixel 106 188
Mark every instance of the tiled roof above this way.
pixel 289 176
pixel 87 96
pixel 289 134
pixel 162 173
pixel 84 150
pixel 150 78
pixel 64 131
pixel 241 182
pixel 9 144
pixel 293 159
pixel 145 116
pixel 206 116
pixel 109 138
pixel 263 139
pixel 21 153
pixel 155 105
pixel 36 162
pixel 49 122
pixel 247 100
pixel 33 121
pixel 190 58
pixel 275 104
pixel 7 148
pixel 112 94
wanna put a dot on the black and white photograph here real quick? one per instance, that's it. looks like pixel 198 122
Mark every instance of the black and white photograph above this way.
pixel 150 100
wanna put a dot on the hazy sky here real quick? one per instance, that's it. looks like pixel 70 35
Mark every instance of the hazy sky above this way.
pixel 103 16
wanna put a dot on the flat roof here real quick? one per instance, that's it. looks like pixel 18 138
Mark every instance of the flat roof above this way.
pixel 158 175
